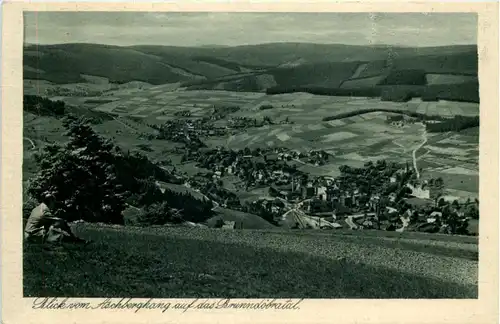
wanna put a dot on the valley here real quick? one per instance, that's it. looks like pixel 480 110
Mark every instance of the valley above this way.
pixel 346 158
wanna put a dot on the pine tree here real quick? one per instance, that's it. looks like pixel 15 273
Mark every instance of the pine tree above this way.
pixel 80 176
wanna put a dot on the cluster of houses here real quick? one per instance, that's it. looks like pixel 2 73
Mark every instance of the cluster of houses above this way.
pixel 400 120
pixel 245 122
pixel 188 130
pixel 321 188
pixel 257 167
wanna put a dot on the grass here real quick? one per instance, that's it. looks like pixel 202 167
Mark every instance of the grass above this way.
pixel 449 78
pixel 197 263
pixel 457 181
pixel 241 219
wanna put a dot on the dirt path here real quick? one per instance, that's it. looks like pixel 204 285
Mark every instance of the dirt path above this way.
pixel 414 153
pixel 33 146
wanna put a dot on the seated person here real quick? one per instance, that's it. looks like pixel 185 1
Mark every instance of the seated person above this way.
pixel 43 227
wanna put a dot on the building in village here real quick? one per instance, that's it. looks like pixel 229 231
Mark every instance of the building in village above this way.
pixel 419 191
pixel 308 192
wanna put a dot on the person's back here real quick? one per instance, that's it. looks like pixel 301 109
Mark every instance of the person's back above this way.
pixel 35 226
pixel 43 226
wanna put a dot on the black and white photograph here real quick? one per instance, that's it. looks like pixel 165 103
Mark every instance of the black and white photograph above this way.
pixel 299 155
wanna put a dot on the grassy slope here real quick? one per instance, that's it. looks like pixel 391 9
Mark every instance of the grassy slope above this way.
pixel 180 262
pixel 246 220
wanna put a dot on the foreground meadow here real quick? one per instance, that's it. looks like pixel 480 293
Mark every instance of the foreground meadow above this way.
pixel 191 263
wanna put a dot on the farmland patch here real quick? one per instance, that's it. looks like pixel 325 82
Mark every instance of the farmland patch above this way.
pixel 335 123
pixel 340 136
pixel 362 82
pixel 446 150
pixel 461 182
pixel 449 78
pixel 461 170
pixel 283 137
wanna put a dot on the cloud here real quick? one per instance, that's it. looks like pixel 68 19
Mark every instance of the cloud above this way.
pixel 194 29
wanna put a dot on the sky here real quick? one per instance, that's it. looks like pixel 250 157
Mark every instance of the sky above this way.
pixel 231 29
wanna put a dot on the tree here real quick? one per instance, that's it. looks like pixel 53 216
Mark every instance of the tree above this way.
pixel 159 214
pixel 441 202
pixel 472 212
pixel 436 189
pixel 80 176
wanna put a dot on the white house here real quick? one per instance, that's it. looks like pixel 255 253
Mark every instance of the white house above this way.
pixel 436 214
pixel 321 192
pixel 419 192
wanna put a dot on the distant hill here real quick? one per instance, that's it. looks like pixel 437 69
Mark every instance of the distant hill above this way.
pixel 281 66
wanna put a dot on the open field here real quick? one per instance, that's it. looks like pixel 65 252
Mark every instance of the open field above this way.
pixel 191 263
pixel 449 78
pixel 352 141
pixel 160 103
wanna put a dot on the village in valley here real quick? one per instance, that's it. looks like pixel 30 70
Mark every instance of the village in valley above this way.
pixel 379 195
pixel 256 156
pixel 303 176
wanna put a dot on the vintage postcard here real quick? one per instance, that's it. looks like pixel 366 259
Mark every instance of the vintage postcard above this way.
pixel 249 163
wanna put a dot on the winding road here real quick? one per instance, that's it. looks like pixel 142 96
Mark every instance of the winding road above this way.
pixel 414 153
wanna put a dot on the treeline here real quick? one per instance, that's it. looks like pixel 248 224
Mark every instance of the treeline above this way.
pixel 131 167
pixel 43 106
pixel 324 91
pixel 422 117
pixel 455 124
pixel 188 208
pixel 405 77
pixel 464 92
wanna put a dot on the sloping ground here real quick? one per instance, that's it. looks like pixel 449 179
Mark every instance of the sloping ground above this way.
pixel 241 219
pixel 64 63
pixel 273 54
pixel 329 74
pixel 321 64
pixel 180 189
pixel 197 263
pixel 455 63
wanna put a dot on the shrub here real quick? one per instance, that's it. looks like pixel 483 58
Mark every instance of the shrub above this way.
pixel 43 106
pixel 265 107
pixel 28 206
pixel 158 214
